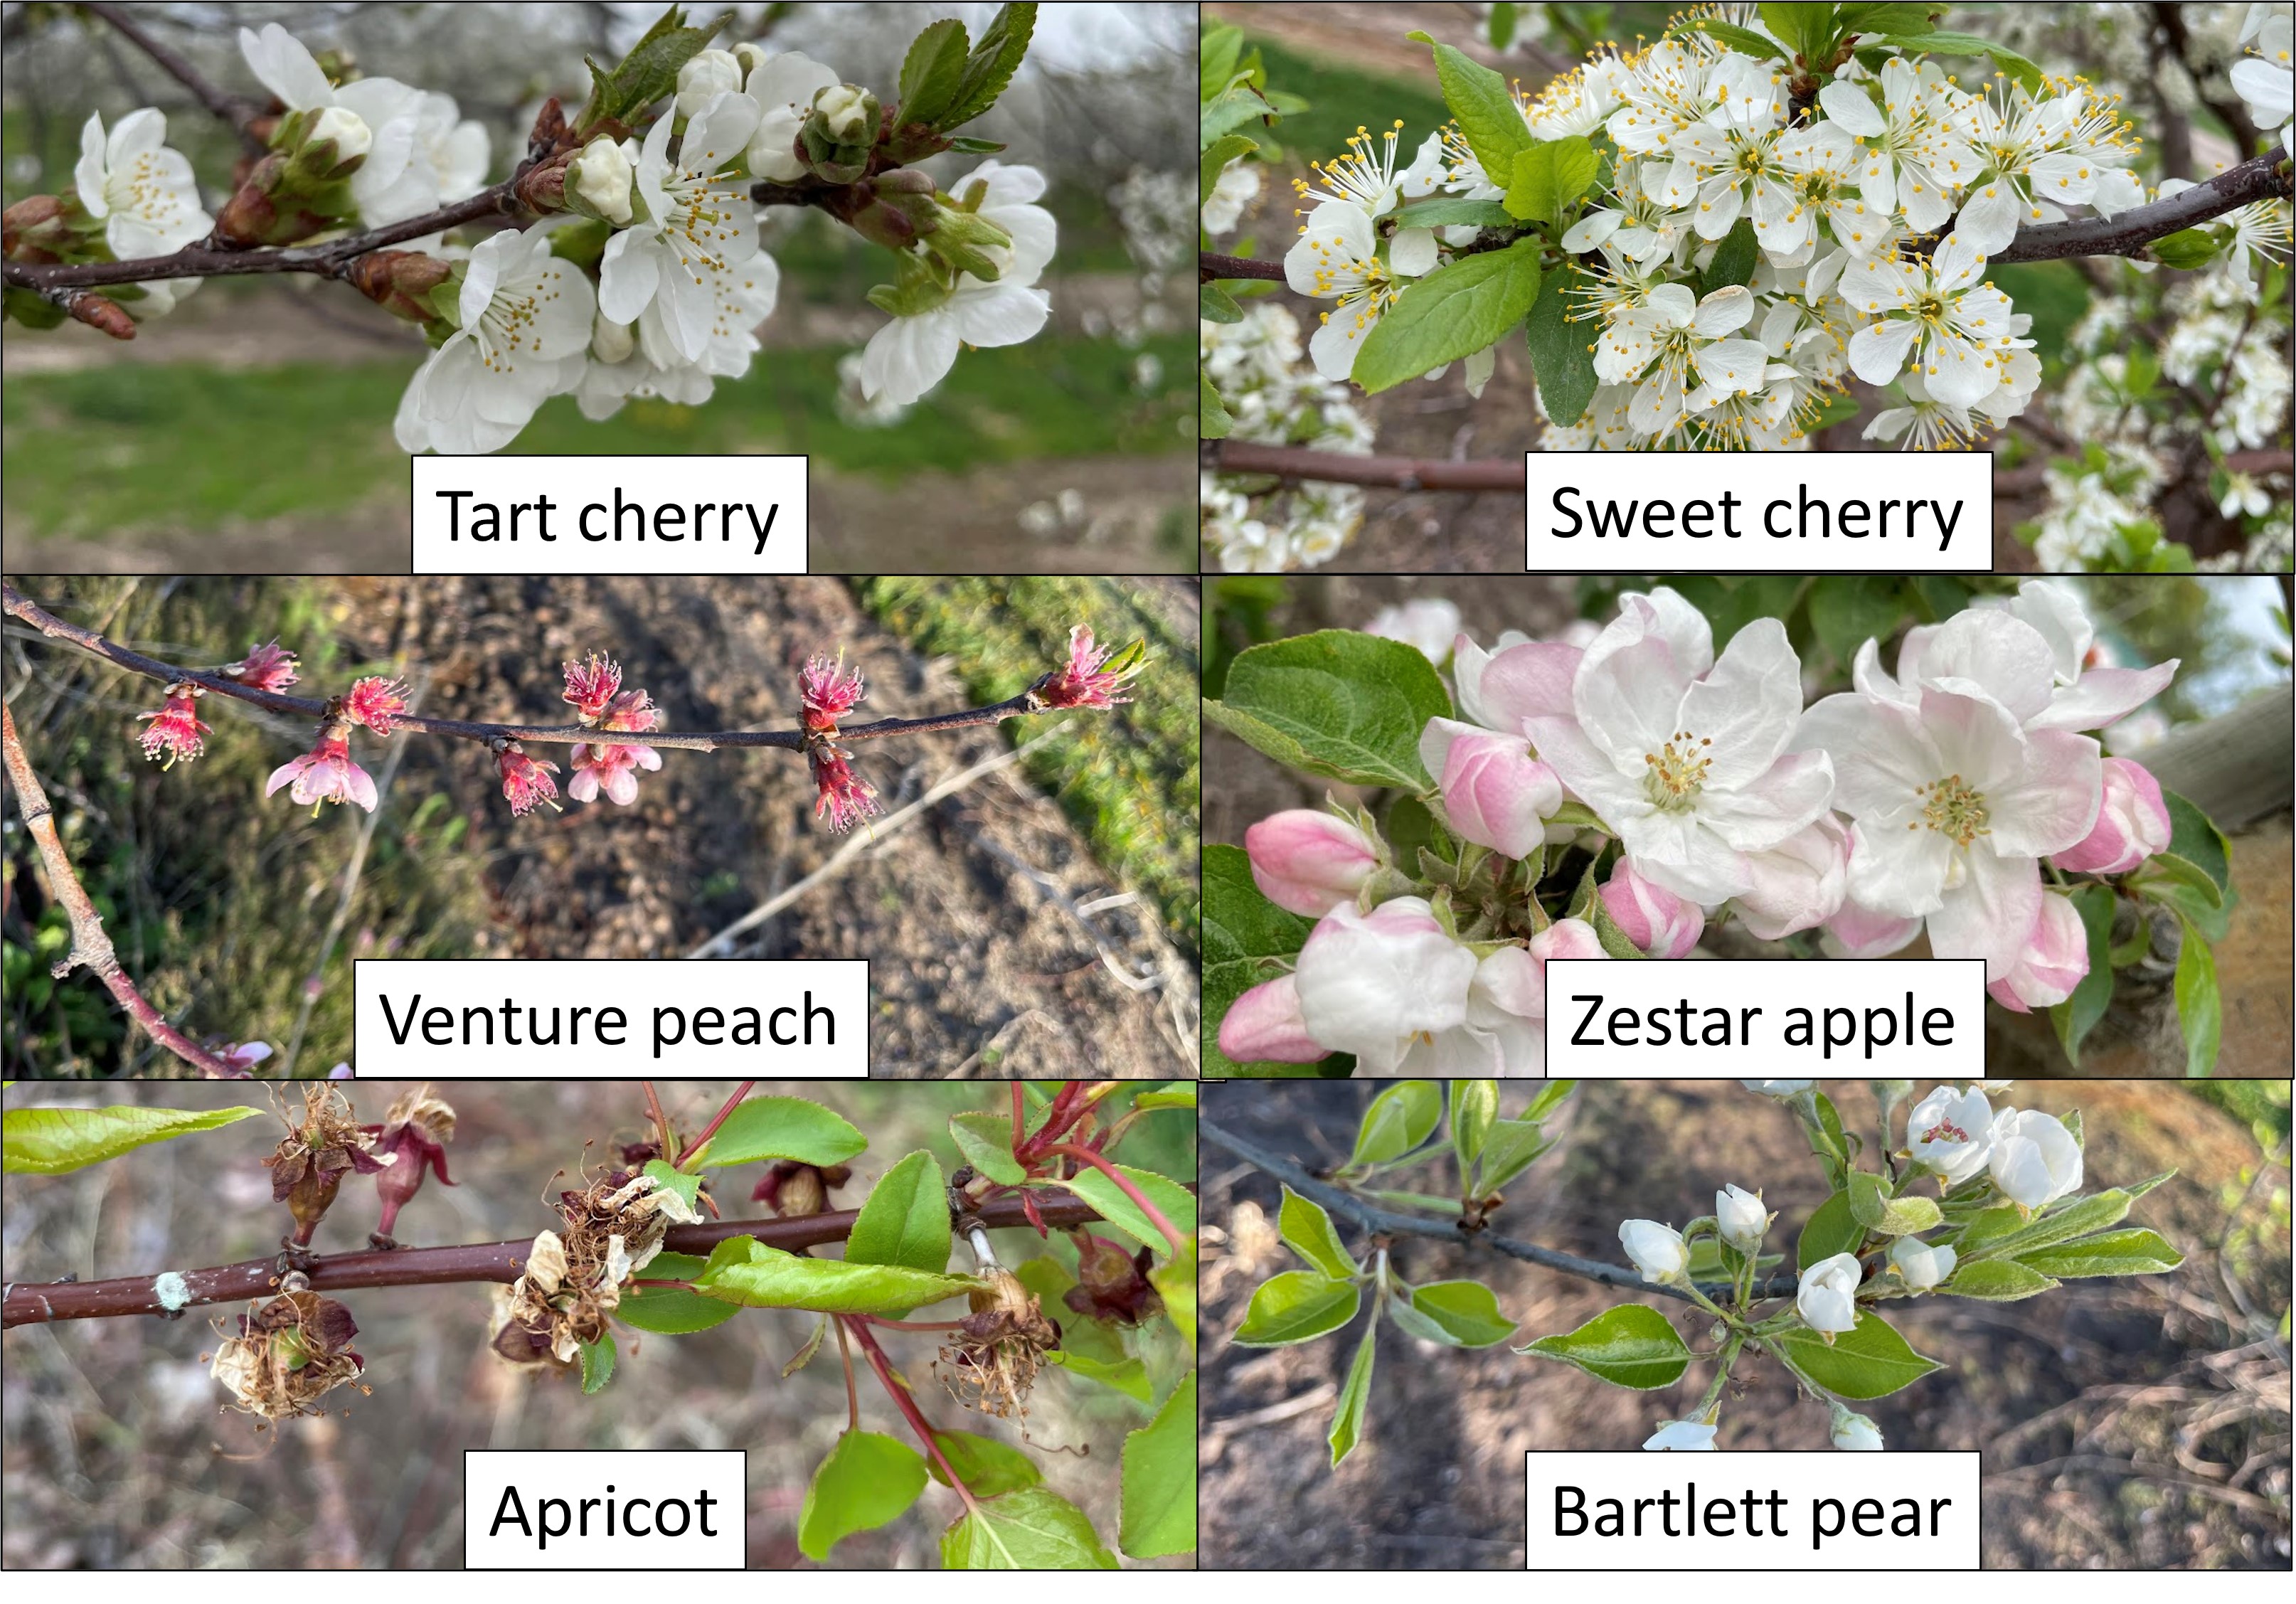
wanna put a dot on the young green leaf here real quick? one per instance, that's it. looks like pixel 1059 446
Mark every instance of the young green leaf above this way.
pixel 1215 157
pixel 1338 704
pixel 1832 1228
pixel 1354 1398
pixel 2199 1008
pixel 1174 1280
pixel 1159 1479
pixel 2187 248
pixel 1873 1207
pixel 1745 41
pixel 991 65
pixel 597 1363
pixel 932 69
pixel 867 1481
pixel 1454 312
pixel 985 1465
pixel 1127 1376
pixel 1297 1306
pixel 1848 610
pixel 783 1127
pixel 1631 1345
pixel 906 1219
pixel 668 1178
pixel 1172 1200
pixel 2131 1252
pixel 1733 263
pixel 1548 178
pixel 1466 1311
pixel 744 1270
pixel 986 1140
pixel 1178 1094
pixel 1446 212
pixel 1031 1530
pixel 1309 1232
pixel 2193 837
pixel 50 1142
pixel 1512 1147
pixel 1871 1362
pixel 1997 1281
pixel 1485 110
pixel 1474 1106
pixel 672 1311
pixel 1398 1120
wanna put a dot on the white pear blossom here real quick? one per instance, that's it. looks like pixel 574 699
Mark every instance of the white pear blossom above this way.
pixel 1657 1250
pixel 526 325
pixel 699 222
pixel 1779 1089
pixel 782 87
pixel 1854 1433
pixel 1740 1218
pixel 1919 1265
pixel 1681 1436
pixel 1827 1297
pixel 145 191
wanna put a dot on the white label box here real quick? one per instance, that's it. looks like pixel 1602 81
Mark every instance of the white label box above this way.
pixel 1634 512
pixel 582 1510
pixel 604 1018
pixel 1769 1511
pixel 1701 1019
pixel 609 515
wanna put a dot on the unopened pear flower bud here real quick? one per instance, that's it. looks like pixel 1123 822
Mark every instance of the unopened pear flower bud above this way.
pixel 1853 1432
pixel 1827 1297
pixel 600 180
pixel 1919 1265
pixel 1657 1250
pixel 1741 1219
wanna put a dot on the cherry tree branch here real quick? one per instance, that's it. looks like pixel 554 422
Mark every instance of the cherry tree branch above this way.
pixel 238 110
pixel 1382 1221
pixel 2126 233
pixel 90 946
pixel 38 1303
pixel 17 605
pixel 1333 466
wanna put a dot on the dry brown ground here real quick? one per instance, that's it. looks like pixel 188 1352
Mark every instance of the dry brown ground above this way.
pixel 2136 1424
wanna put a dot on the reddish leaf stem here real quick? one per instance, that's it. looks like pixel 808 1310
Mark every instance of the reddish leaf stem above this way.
pixel 710 1129
pixel 906 1404
pixel 1084 1155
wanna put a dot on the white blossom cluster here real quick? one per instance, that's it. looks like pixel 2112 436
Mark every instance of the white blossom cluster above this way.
pixel 1276 397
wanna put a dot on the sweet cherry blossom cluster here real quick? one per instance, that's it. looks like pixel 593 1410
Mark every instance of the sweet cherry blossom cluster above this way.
pixel 1953 797
pixel 1249 524
pixel 645 275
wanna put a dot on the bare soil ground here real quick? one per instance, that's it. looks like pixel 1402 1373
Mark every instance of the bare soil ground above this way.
pixel 2136 1424
pixel 116 1452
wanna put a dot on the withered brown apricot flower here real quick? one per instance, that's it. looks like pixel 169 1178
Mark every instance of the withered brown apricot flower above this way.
pixel 314 1157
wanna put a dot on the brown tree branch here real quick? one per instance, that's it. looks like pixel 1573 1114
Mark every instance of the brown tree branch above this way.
pixel 19 606
pixel 90 946
pixel 37 1303
pixel 1391 472
pixel 1211 265
pixel 238 110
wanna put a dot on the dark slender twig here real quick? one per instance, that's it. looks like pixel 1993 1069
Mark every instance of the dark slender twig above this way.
pixel 19 606
pixel 2126 233
pixel 37 1303
pixel 1384 1222
pixel 1391 472
pixel 237 110
pixel 1211 265
pixel 90 946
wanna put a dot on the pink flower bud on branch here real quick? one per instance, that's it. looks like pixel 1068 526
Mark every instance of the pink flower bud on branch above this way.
pixel 525 781
pixel 1093 674
pixel 376 702
pixel 265 667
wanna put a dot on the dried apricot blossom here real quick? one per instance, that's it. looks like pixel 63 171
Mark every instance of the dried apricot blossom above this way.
pixel 993 1361
pixel 316 1155
pixel 292 1350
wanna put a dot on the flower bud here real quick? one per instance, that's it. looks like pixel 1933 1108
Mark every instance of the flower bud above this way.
pixel 1265 1026
pixel 1657 1250
pixel 412 1137
pixel 1681 1436
pixel 750 56
pixel 1854 1433
pixel 2053 961
pixel 1919 1265
pixel 2034 1159
pixel 1740 1218
pixel 2131 825
pixel 1779 1089
pixel 1654 918
pixel 839 133
pixel 1494 793
pixel 276 205
pixel 598 182
pixel 1951 1132
pixel 38 229
pixel 400 281
pixel 1798 884
pixel 1828 1295
pixel 611 341
pixel 333 145
pixel 794 1189
pixel 706 75
pixel 1112 1284
pixel 846 112
pixel 1309 863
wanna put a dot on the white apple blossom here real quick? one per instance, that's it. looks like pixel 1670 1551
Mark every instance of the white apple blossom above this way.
pixel 1951 1132
pixel 2034 1159
pixel 1827 1296
pixel 145 191
pixel 525 326
pixel 1657 1250
pixel 1779 1089
pixel 698 221
pixel 782 87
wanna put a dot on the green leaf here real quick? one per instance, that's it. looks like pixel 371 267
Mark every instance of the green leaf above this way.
pixel 1159 1480
pixel 804 1356
pixel 670 1178
pixel 1846 611
pixel 2076 1015
pixel 783 1127
pixel 1214 304
pixel 1512 1147
pixel 1336 704
pixel 1463 1314
pixel 1229 110
pixel 1631 1345
pixel 2193 837
pixel 1399 1118
pixel 2185 888
pixel 645 75
pixel 1178 1094
pixel 1217 52
pixel 1733 263
pixel 1546 1100
pixel 1873 1207
pixel 965 146
pixel 1989 1229
pixel 991 65
pixel 1485 111
pixel 1309 1233
pixel 1174 1280
pixel 50 1142
pixel 986 1140
pixel 672 1311
pixel 867 1481
pixel 985 1465
pixel 1832 1228
pixel 2187 248
pixel 1298 1306
pixel 597 1363
pixel 1215 157
pixel 904 1220
pixel 1745 41
pixel 1807 30
pixel 2200 1010
pixel 2099 1212
pixel 1548 178
pixel 1451 212
pixel 2131 1252
pixel 1214 421
pixel 1354 1398
pixel 742 1270
pixel 1997 1281
pixel 1871 1362
pixel 1243 934
pixel 1031 1530
pixel 1172 1200
pixel 1559 352
pixel 931 73
pixel 1127 1376
pixel 1454 312
pixel 1501 30
pixel 1474 1108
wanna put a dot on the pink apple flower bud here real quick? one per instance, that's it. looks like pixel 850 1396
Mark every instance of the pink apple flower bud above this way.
pixel 1798 884
pixel 1087 679
pixel 1654 918
pixel 525 781
pixel 266 667
pixel 1494 793
pixel 327 773
pixel 1309 863
pixel 175 732
pixel 845 798
pixel 2131 826
pixel 2054 961
pixel 376 702
pixel 828 691
pixel 591 684
pixel 1264 1026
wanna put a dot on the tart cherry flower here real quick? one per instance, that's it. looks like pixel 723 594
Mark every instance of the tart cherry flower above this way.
pixel 591 684
pixel 527 783
pixel 376 702
pixel 175 732
pixel 828 691
pixel 1086 680
pixel 844 797
pixel 327 773
pixel 265 667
